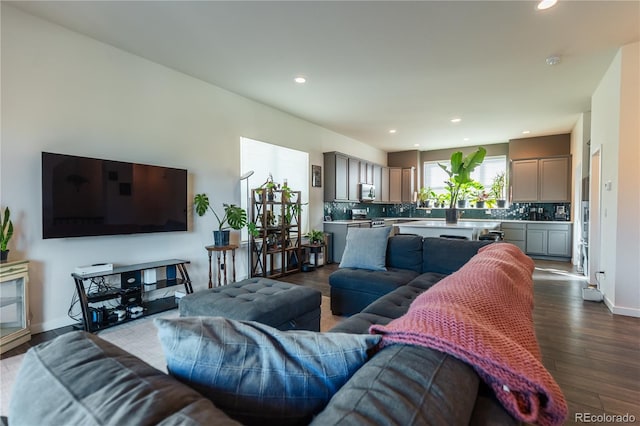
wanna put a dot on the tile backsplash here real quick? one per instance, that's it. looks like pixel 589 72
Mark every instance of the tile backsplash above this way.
pixel 515 211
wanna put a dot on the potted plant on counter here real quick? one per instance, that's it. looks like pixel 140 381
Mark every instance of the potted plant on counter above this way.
pixel 497 189
pixel 234 218
pixel 460 174
pixel 6 232
pixel 425 195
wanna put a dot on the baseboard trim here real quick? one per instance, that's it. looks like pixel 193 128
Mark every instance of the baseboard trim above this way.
pixel 620 310
pixel 51 325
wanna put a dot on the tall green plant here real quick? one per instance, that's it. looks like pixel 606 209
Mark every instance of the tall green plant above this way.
pixel 234 217
pixel 7 229
pixel 460 171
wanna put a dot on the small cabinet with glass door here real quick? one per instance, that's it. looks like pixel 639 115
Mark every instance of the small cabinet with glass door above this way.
pixel 14 304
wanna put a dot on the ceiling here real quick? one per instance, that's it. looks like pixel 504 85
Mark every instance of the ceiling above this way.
pixel 372 66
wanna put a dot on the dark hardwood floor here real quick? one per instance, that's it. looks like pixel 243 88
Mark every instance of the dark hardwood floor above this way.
pixel 593 355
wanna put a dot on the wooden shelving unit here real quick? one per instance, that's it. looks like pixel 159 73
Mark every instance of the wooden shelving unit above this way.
pixel 276 250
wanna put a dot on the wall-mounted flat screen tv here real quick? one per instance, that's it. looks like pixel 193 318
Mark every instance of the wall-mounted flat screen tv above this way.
pixel 89 197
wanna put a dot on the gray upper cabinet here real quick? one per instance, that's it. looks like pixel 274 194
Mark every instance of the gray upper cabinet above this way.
pixel 395 184
pixel 384 187
pixel 407 184
pixel 336 177
pixel 377 181
pixel 354 178
pixel 541 180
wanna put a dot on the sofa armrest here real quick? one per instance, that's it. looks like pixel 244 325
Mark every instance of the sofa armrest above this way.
pixel 90 381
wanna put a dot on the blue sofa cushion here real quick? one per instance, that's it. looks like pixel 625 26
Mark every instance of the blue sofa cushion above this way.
pixel 445 255
pixel 257 374
pixel 366 248
pixel 405 252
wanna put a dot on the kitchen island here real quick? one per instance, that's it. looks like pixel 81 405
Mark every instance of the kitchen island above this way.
pixel 437 228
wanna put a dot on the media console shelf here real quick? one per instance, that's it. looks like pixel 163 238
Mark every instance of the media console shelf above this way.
pixel 129 292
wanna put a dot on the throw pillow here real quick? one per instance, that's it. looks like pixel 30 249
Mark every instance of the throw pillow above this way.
pixel 258 374
pixel 366 248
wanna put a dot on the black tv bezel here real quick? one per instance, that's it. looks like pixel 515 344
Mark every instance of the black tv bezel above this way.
pixel 48 232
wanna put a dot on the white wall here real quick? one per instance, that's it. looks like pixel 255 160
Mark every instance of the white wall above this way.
pixel 64 92
pixel 615 113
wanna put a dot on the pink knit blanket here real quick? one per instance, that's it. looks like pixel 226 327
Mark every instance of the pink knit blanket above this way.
pixel 482 315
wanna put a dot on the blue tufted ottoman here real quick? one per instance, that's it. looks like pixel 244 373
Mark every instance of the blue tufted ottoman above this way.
pixel 280 305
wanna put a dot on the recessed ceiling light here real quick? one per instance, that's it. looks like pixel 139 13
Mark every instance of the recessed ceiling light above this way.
pixel 392 131
pixel 553 60
pixel 526 132
pixel 546 4
pixel 466 139
pixel 416 144
pixel 300 80
pixel 456 120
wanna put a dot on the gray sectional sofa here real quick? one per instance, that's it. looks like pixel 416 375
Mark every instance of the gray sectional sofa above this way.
pixel 410 261
pixel 87 380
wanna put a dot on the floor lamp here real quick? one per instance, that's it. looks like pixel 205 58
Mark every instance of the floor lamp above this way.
pixel 246 177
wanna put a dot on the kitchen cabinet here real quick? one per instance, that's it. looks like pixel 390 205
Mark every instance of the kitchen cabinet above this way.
pixel 395 184
pixel 366 172
pixel 336 177
pixel 407 184
pixel 516 234
pixel 549 239
pixel 354 178
pixel 384 188
pixel 377 182
pixel 339 231
pixel 541 180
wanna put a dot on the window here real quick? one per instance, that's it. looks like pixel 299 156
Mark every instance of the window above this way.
pixel 282 163
pixel 435 177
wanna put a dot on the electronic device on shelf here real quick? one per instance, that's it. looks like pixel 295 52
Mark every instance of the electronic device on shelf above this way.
pixel 94 269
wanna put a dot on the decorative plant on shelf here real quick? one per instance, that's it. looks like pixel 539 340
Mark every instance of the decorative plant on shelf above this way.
pixel 316 237
pixel 460 174
pixel 443 199
pixel 234 218
pixel 497 189
pixel 425 195
pixel 6 233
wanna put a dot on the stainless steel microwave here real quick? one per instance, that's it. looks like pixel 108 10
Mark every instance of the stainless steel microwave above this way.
pixel 367 192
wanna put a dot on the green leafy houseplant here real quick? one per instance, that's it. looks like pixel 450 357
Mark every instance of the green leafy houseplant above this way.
pixel 234 217
pixel 6 232
pixel 460 171
pixel 316 237
pixel 460 174
pixel 497 188
pixel 424 195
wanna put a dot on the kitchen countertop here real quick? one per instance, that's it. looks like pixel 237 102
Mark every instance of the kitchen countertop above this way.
pixel 423 219
pixel 462 224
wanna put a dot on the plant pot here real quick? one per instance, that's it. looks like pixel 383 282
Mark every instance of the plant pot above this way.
pixel 462 204
pixel 4 254
pixel 501 203
pixel 221 238
pixel 480 204
pixel 451 215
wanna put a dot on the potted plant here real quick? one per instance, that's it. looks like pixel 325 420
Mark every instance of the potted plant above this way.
pixel 316 237
pixel 460 174
pixel 234 218
pixel 6 232
pixel 442 199
pixel 480 198
pixel 425 195
pixel 497 189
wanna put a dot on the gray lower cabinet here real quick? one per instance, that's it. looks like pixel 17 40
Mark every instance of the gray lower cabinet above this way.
pixel 549 239
pixel 516 234
pixel 339 231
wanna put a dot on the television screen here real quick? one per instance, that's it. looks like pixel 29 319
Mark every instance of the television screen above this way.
pixel 88 197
